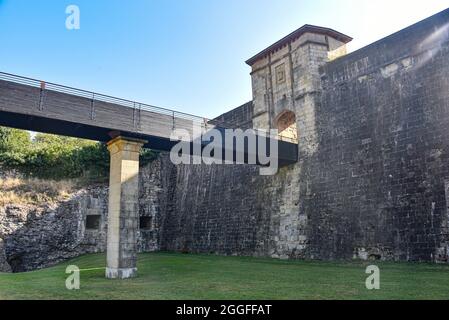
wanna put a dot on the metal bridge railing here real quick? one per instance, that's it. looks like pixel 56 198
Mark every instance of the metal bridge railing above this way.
pixel 93 96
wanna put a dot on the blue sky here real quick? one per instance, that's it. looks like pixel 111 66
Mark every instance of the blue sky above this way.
pixel 186 54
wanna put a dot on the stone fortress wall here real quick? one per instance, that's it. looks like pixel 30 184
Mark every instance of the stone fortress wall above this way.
pixel 373 169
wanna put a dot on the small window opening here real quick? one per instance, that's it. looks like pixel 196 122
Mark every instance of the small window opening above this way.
pixel 145 223
pixel 93 222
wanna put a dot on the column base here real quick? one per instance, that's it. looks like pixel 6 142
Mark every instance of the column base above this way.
pixel 121 273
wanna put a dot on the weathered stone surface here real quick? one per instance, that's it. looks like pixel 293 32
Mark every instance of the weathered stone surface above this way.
pixel 378 176
pixel 4 265
pixel 371 182
pixel 36 237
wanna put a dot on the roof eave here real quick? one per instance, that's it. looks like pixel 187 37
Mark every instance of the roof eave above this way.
pixel 295 35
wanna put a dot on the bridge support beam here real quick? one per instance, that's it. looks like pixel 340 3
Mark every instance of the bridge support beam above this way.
pixel 123 215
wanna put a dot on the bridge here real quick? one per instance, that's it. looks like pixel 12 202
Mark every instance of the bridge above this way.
pixel 126 126
pixel 51 108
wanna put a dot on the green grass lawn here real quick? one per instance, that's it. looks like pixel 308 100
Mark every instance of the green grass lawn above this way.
pixel 177 276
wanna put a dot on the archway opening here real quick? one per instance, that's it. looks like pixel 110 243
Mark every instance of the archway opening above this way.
pixel 287 127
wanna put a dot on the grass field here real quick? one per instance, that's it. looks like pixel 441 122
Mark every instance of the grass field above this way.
pixel 177 276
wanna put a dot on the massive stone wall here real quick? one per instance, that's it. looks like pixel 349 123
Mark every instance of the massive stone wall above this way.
pixel 371 186
pixel 378 178
pixel 231 209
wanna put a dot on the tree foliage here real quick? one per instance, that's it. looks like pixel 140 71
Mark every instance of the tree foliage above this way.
pixel 12 144
pixel 56 157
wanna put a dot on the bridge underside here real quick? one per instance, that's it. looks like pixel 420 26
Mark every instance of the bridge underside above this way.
pixel 287 152
pixel 77 130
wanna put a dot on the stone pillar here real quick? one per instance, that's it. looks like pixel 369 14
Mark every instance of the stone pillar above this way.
pixel 123 215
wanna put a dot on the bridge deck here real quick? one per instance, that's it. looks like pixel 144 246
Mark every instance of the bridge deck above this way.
pixel 50 108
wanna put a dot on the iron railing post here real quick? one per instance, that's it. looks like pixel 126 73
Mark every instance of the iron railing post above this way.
pixel 92 107
pixel 41 96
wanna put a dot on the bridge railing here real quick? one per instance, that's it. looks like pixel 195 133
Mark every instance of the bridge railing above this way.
pixel 136 106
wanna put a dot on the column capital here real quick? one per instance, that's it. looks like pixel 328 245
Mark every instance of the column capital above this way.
pixel 125 144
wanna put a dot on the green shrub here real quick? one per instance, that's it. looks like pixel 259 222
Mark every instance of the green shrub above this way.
pixel 57 157
pixel 13 144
